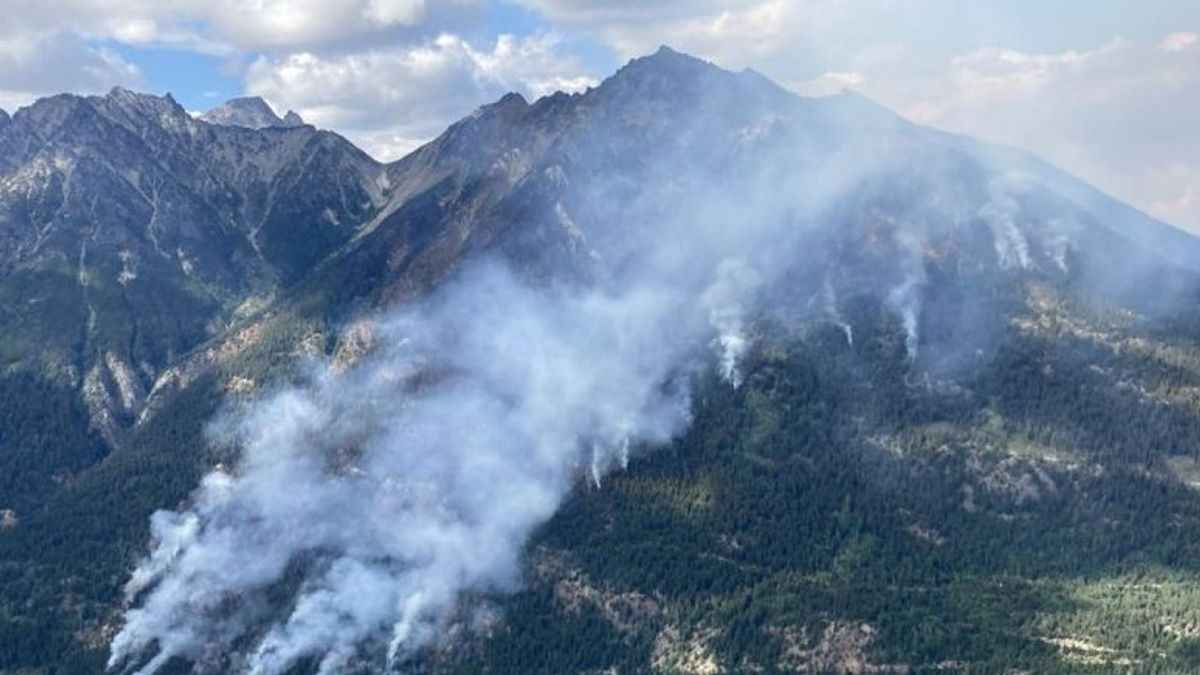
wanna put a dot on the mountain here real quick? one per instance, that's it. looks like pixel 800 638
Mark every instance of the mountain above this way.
pixel 133 232
pixel 962 436
pixel 251 112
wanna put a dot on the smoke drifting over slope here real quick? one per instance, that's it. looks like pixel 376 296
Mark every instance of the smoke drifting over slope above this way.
pixel 389 490
pixel 375 498
pixel 370 502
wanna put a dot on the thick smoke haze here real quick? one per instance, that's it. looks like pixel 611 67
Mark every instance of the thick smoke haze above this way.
pixel 380 494
pixel 374 499
pixel 384 492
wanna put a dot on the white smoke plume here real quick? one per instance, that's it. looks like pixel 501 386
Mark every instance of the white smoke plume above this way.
pixel 374 500
pixel 1001 213
pixel 905 300
pixel 825 301
pixel 906 295
pixel 387 492
pixel 370 501
pixel 726 300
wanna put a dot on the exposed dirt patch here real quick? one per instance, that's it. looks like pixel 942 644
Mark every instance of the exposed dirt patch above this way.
pixel 675 653
pixel 356 341
pixel 842 648
pixel 1085 652
pixel 627 611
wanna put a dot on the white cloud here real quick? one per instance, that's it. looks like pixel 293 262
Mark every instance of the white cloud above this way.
pixel 390 100
pixel 732 32
pixel 221 26
pixel 997 74
pixel 394 12
pixel 828 83
pixel 1121 116
pixel 1180 42
pixel 391 74
pixel 292 24
pixel 37 64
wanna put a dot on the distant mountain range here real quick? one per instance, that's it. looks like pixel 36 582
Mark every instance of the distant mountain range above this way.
pixel 1002 358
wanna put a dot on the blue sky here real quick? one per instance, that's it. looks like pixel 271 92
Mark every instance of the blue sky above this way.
pixel 198 81
pixel 1106 89
pixel 201 80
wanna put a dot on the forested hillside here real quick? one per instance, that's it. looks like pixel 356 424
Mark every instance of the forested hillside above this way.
pixel 941 398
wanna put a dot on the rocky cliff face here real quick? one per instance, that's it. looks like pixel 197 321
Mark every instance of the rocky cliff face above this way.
pixel 251 112
pixel 131 232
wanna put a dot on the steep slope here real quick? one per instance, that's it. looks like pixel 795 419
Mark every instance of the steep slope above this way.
pixel 964 437
pixel 572 180
pixel 130 233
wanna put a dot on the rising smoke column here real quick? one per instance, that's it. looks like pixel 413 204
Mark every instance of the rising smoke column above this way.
pixel 726 301
pixel 386 492
pixel 1001 213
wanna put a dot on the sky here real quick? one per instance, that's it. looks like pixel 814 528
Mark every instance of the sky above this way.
pixel 1107 89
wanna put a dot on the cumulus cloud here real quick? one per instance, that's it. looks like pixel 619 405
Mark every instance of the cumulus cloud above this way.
pixel 292 24
pixel 228 25
pixel 72 45
pixel 37 64
pixel 389 100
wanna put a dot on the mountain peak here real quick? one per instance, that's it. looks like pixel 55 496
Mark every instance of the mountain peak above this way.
pixel 136 110
pixel 509 104
pixel 131 99
pixel 250 111
pixel 668 61
pixel 118 92
pixel 511 99
pixel 664 74
pixel 666 52
pixel 3 117
pixel 128 98
pixel 678 79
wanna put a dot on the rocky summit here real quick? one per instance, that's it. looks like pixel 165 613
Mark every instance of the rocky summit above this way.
pixel 251 112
